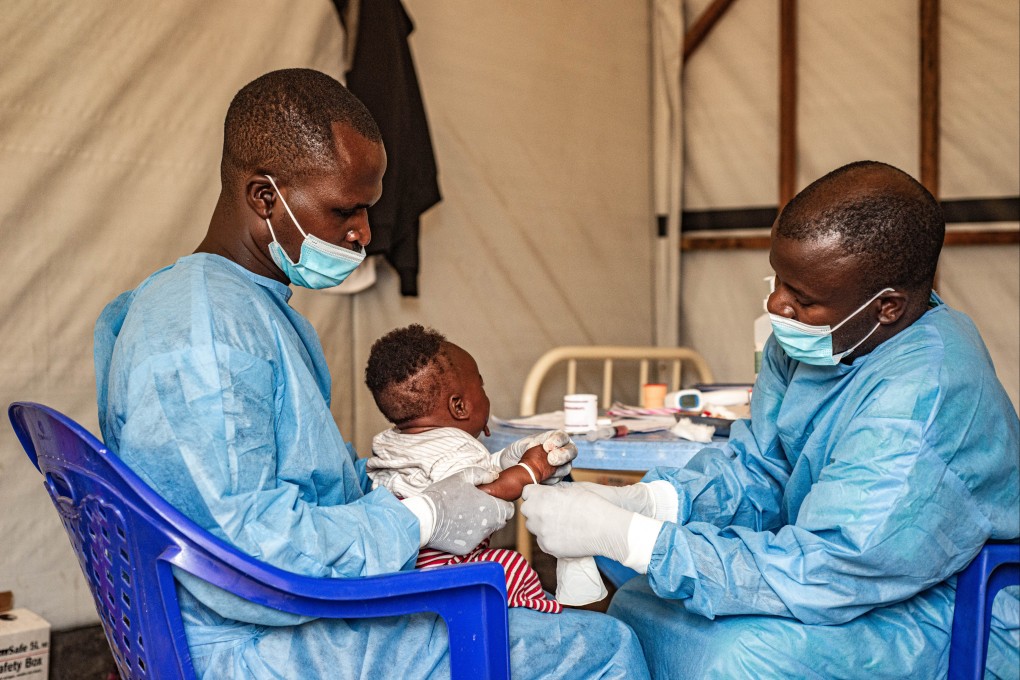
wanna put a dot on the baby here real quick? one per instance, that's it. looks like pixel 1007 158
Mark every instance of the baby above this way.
pixel 431 390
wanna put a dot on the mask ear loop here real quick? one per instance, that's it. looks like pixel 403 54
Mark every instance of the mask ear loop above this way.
pixel 872 332
pixel 861 308
pixel 294 219
pixel 271 232
pixel 851 350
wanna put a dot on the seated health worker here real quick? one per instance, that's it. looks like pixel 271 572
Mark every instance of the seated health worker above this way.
pixel 216 392
pixel 822 540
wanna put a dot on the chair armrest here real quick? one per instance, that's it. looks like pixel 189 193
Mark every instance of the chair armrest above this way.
pixel 471 599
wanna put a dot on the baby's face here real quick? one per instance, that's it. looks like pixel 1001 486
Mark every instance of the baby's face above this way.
pixel 472 391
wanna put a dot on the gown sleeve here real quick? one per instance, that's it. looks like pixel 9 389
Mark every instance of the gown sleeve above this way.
pixel 739 482
pixel 886 519
pixel 209 430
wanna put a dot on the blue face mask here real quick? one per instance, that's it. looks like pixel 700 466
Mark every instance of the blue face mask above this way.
pixel 813 344
pixel 321 264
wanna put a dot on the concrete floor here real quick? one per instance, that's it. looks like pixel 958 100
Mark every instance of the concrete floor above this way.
pixel 81 654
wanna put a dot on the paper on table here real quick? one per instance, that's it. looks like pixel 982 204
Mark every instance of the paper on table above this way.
pixel 647 423
pixel 539 421
pixel 554 421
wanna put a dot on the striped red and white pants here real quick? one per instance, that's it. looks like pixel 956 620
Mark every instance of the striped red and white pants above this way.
pixel 523 589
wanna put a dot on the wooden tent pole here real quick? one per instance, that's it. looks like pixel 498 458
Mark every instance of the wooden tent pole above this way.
pixel 929 124
pixel 787 100
pixel 700 29
pixel 930 67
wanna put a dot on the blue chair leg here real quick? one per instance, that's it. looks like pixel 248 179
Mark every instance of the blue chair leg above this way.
pixel 467 631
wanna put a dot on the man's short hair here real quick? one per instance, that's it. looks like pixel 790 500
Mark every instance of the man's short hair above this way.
pixel 405 372
pixel 284 120
pixel 893 229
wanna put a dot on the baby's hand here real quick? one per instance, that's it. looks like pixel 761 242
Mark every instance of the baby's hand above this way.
pixel 538 460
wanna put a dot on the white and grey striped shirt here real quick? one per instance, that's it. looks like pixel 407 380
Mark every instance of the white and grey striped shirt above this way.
pixel 408 463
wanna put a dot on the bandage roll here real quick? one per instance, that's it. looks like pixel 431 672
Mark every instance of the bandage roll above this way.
pixel 578 581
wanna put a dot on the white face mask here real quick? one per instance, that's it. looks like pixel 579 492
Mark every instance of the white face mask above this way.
pixel 321 264
pixel 813 344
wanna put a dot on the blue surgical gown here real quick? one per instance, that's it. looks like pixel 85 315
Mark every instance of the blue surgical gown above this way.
pixel 821 540
pixel 216 393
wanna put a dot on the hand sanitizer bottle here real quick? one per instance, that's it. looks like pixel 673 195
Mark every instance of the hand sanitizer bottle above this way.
pixel 762 331
pixel 762 328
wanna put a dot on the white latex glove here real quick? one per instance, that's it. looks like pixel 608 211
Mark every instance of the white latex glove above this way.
pixel 634 497
pixel 462 515
pixel 559 448
pixel 569 521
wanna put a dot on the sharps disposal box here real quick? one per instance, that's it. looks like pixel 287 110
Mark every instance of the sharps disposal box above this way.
pixel 24 645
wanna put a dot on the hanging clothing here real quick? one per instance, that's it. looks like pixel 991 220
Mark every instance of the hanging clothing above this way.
pixel 382 76
pixel 216 393
pixel 822 539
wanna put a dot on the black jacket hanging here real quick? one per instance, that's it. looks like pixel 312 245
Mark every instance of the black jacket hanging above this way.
pixel 382 75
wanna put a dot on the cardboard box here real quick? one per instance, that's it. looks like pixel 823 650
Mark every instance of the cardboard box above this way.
pixel 24 645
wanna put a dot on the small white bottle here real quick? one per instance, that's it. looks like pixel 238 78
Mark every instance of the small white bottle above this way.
pixel 762 331
pixel 762 328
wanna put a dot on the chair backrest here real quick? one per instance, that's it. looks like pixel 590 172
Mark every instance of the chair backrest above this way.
pixel 117 549
pixel 608 355
pixel 995 567
pixel 128 540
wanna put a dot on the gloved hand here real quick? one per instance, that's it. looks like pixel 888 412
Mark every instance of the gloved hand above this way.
pixel 634 497
pixel 556 443
pixel 569 521
pixel 464 515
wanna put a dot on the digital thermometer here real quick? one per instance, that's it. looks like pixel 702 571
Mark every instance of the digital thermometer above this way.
pixel 697 400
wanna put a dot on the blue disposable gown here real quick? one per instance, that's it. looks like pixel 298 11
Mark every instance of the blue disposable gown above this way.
pixel 216 393
pixel 824 536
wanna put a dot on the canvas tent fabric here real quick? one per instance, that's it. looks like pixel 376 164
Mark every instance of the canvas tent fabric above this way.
pixel 667 163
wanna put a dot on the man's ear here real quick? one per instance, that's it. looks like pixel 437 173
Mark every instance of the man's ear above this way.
pixel 892 307
pixel 458 407
pixel 260 195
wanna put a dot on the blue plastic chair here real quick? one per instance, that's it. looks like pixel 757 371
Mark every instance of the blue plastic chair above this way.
pixel 995 567
pixel 127 538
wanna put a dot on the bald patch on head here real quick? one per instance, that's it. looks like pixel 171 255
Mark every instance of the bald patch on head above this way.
pixel 407 371
pixel 858 182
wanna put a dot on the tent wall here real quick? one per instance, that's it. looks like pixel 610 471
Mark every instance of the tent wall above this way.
pixel 539 115
pixel 857 98
pixel 110 132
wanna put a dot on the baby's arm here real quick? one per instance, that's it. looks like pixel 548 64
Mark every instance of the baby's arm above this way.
pixel 512 481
